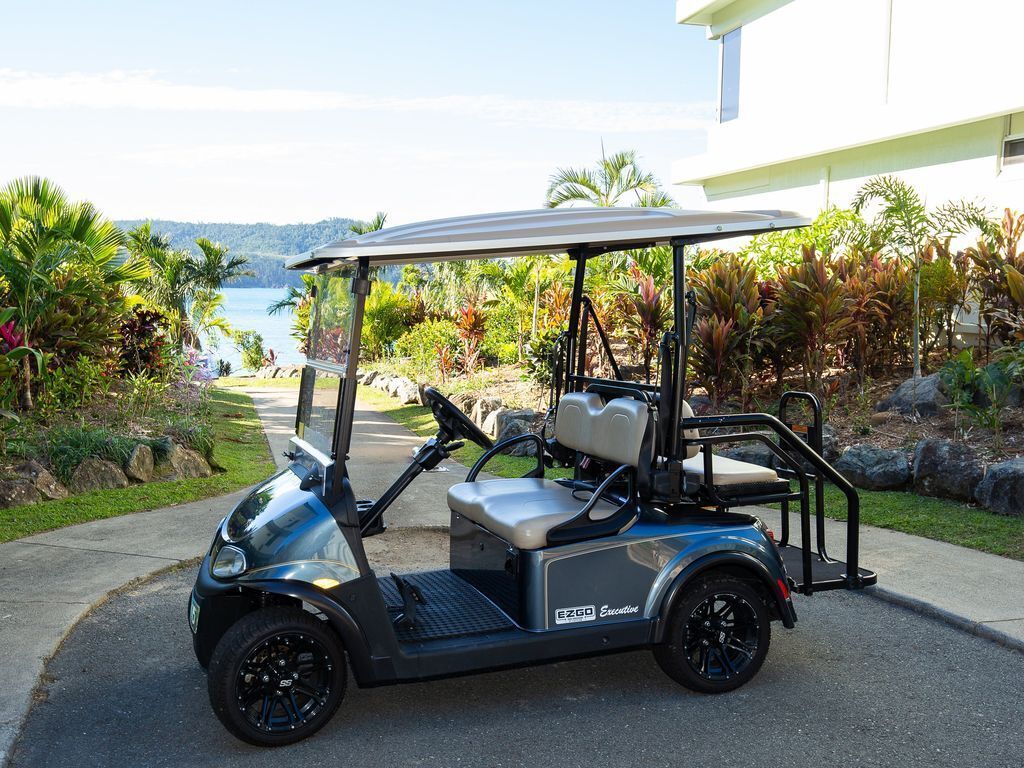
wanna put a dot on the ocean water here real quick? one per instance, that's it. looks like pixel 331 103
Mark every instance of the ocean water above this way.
pixel 246 309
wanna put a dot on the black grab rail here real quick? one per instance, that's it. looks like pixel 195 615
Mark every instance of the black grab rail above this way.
pixel 794 445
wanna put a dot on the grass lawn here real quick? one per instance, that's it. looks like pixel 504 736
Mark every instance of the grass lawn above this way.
pixel 241 449
pixel 919 515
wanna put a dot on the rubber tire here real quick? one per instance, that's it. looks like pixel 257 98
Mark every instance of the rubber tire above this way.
pixel 671 656
pixel 235 645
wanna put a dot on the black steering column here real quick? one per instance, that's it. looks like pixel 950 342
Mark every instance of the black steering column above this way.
pixel 453 427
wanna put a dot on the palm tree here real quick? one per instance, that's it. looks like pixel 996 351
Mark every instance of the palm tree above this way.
pixel 906 226
pixel 363 227
pixel 45 237
pixel 614 179
pixel 182 284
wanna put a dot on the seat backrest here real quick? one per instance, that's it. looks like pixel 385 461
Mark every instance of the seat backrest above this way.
pixel 686 412
pixel 613 431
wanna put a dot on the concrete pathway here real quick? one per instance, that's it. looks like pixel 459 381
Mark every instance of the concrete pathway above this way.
pixel 49 581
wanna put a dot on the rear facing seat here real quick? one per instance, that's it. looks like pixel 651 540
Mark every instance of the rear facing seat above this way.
pixel 725 471
pixel 523 511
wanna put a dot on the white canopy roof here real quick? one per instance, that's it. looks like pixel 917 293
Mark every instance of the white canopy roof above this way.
pixel 524 233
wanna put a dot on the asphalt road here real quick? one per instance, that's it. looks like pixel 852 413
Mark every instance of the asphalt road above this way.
pixel 859 683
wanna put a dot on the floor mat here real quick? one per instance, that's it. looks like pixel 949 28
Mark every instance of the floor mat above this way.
pixel 450 608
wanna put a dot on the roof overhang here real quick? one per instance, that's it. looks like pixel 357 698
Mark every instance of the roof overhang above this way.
pixel 699 12
pixel 545 231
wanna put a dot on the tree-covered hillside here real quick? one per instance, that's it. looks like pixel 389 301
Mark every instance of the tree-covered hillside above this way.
pixel 264 245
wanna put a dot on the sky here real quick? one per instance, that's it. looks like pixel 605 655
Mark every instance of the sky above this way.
pixel 298 111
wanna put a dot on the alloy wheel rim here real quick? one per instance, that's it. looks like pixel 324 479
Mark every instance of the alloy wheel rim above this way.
pixel 720 639
pixel 284 682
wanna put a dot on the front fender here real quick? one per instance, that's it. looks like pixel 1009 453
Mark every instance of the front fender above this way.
pixel 224 603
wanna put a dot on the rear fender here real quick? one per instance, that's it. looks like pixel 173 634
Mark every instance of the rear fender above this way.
pixel 737 562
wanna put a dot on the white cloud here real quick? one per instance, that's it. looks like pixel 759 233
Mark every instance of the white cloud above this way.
pixel 143 90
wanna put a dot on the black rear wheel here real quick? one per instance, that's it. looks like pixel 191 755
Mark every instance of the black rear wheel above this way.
pixel 277 676
pixel 717 636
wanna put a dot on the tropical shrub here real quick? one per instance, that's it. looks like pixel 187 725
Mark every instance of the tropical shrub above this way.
pixel 142 342
pixel 471 322
pixel 387 315
pixel 999 280
pixel 646 318
pixel 250 346
pixel 538 355
pixel 73 386
pixel 945 285
pixel 812 314
pixel 728 336
pixel 420 344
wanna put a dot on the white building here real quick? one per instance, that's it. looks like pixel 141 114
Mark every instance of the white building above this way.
pixel 815 96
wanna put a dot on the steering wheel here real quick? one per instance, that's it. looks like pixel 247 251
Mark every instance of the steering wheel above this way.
pixel 452 421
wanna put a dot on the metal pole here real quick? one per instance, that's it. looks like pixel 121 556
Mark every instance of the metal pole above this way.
pixel 579 255
pixel 679 310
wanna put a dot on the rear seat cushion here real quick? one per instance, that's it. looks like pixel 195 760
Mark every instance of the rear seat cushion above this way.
pixel 612 431
pixel 729 471
pixel 521 510
pixel 686 412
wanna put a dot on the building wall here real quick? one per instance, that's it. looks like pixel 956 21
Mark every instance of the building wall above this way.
pixel 955 163
pixel 835 81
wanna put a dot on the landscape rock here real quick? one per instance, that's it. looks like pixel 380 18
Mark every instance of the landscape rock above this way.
pixel 490 425
pixel 830 450
pixel 946 469
pixel 925 396
pixel 182 462
pixel 407 392
pixel 1002 489
pixel 368 377
pixel 267 372
pixel 16 492
pixel 483 408
pixel 873 468
pixel 95 474
pixel 514 428
pixel 751 453
pixel 464 401
pixel 139 466
pixel 49 487
pixel 422 399
pixel 701 405
pixel 505 415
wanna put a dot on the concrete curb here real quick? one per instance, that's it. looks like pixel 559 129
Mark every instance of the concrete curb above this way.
pixel 923 607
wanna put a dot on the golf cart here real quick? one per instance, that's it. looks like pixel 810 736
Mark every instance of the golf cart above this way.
pixel 650 543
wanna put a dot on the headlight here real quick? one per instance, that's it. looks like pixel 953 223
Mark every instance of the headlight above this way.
pixel 230 562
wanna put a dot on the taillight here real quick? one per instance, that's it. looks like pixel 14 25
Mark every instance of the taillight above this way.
pixel 770 533
pixel 783 588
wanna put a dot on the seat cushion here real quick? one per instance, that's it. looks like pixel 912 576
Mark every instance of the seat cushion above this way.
pixel 521 510
pixel 613 431
pixel 729 471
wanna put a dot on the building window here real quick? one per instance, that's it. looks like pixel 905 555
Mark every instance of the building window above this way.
pixel 1013 151
pixel 729 87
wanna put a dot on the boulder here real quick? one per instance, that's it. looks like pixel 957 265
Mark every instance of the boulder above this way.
pixel 946 469
pixel 490 425
pixel 368 377
pixel 139 466
pixel 830 450
pixel 924 396
pixel 48 486
pixel 1002 489
pixel 407 392
pixel 464 401
pixel 1012 395
pixel 751 453
pixel 422 399
pixel 701 405
pixel 514 428
pixel 95 474
pixel 483 408
pixel 182 462
pixel 875 469
pixel 506 415
pixel 16 492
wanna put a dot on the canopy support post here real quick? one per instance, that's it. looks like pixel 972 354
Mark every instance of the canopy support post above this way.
pixel 572 367
pixel 682 334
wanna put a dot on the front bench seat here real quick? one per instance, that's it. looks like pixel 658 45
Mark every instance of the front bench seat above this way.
pixel 522 511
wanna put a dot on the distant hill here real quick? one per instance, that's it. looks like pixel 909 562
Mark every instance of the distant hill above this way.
pixel 265 245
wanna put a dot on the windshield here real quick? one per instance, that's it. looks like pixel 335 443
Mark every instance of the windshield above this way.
pixel 326 360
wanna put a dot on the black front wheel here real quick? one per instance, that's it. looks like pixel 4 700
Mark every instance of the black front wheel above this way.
pixel 277 676
pixel 717 636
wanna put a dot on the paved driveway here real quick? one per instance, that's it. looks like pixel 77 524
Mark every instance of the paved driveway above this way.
pixel 858 683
